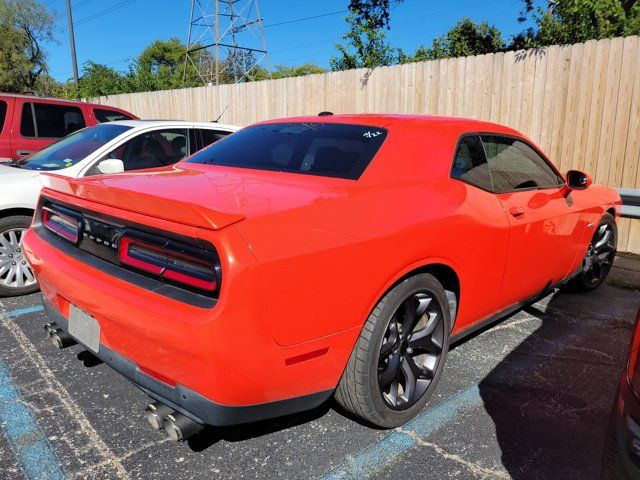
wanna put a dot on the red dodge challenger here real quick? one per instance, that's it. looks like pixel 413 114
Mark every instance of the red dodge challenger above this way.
pixel 307 257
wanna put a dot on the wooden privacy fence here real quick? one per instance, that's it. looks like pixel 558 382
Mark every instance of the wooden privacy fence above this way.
pixel 580 103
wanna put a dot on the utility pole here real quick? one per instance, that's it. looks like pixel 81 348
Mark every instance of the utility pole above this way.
pixel 226 40
pixel 72 41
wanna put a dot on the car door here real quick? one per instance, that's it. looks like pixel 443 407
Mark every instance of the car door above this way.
pixel 544 224
pixel 149 149
pixel 41 123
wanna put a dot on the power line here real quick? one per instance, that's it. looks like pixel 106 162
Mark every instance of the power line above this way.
pixel 101 13
pixel 295 20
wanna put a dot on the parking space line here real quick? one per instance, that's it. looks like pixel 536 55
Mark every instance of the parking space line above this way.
pixel 374 458
pixel 23 311
pixel 74 411
pixel 32 449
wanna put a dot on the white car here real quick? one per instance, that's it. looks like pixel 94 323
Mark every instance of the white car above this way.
pixel 105 148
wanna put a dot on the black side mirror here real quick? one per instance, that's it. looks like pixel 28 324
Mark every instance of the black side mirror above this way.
pixel 577 180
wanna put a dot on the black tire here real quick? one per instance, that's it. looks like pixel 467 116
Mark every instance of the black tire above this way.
pixel 594 271
pixel 16 222
pixel 360 391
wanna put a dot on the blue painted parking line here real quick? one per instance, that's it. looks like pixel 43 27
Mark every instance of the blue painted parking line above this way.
pixel 31 448
pixel 373 458
pixel 23 311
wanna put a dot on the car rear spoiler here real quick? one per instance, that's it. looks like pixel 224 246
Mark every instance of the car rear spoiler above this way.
pixel 178 211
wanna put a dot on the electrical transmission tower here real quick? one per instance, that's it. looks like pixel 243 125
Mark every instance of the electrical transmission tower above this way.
pixel 226 41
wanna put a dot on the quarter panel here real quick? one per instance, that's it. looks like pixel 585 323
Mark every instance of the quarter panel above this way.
pixel 326 263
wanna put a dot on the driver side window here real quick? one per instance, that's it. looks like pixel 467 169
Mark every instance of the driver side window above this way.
pixel 153 149
pixel 514 165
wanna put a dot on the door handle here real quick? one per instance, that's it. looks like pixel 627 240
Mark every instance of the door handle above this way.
pixel 23 153
pixel 516 211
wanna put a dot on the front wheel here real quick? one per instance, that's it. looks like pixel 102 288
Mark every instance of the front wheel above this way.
pixel 398 358
pixel 16 277
pixel 599 257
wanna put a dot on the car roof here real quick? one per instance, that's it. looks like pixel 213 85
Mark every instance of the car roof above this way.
pixel 396 120
pixel 176 123
pixel 52 99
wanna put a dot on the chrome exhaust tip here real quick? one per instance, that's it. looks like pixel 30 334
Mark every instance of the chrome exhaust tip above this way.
pixel 58 337
pixel 155 414
pixel 179 427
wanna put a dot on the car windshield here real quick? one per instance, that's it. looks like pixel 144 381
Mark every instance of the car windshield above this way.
pixel 326 149
pixel 71 149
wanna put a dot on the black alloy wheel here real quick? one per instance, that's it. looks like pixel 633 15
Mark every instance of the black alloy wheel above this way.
pixel 411 351
pixel 600 254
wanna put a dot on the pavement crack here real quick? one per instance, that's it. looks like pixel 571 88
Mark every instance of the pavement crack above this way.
pixel 473 467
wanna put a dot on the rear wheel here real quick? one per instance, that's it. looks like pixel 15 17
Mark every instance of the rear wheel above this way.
pixel 398 358
pixel 16 277
pixel 599 257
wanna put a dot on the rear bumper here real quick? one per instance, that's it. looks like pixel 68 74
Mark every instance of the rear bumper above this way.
pixel 188 402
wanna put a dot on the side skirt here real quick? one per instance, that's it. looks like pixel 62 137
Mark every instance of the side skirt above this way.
pixel 494 318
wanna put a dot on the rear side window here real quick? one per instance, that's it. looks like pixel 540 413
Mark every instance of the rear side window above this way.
pixel 325 149
pixel 207 137
pixel 51 121
pixel 3 113
pixel 27 125
pixel 515 165
pixel 470 163
pixel 103 115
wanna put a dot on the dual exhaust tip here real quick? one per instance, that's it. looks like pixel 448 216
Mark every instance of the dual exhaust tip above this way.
pixel 176 426
pixel 58 337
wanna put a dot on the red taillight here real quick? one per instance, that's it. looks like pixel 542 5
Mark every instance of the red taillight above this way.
pixel 633 366
pixel 167 264
pixel 63 225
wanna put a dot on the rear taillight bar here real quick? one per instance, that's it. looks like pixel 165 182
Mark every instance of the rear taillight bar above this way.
pixel 64 225
pixel 175 265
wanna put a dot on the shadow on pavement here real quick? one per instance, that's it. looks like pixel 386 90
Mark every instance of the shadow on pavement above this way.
pixel 551 396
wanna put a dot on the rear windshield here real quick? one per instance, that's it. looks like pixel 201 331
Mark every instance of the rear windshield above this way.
pixel 326 149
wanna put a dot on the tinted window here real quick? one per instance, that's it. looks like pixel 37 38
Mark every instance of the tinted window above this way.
pixel 515 165
pixel 27 127
pixel 70 150
pixel 56 121
pixel 158 148
pixel 103 115
pixel 210 136
pixel 327 149
pixel 470 163
pixel 3 113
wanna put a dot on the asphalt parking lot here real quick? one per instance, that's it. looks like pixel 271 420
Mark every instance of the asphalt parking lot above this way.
pixel 527 398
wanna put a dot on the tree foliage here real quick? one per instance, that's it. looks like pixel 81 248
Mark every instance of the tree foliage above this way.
pixel 366 45
pixel 24 26
pixel 574 21
pixel 283 71
pixel 464 39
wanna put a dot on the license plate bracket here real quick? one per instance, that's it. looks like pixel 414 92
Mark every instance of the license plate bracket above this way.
pixel 84 328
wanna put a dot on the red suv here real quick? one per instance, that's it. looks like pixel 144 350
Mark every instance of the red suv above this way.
pixel 29 123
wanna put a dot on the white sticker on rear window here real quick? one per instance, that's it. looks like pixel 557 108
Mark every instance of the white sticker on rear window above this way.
pixel 371 134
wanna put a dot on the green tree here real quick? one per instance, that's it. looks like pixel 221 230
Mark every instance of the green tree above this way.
pixel 465 39
pixel 573 21
pixel 365 42
pixel 97 80
pixel 24 26
pixel 282 71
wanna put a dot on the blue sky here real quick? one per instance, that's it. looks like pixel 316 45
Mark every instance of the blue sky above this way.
pixel 120 34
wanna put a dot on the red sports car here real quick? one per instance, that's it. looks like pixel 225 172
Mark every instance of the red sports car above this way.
pixel 309 257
